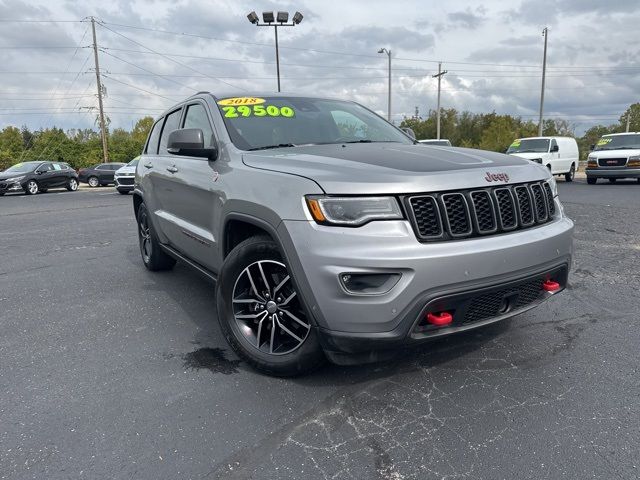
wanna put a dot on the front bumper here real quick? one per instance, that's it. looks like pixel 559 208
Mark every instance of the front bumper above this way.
pixel 613 172
pixel 350 323
pixel 8 187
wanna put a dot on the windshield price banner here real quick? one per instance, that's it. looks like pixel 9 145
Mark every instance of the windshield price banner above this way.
pixel 258 111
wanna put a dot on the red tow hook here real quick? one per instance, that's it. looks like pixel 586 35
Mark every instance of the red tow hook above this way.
pixel 439 319
pixel 550 286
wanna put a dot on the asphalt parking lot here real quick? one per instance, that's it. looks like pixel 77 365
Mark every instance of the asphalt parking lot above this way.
pixel 110 371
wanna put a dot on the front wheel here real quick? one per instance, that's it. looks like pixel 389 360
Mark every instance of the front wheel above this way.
pixel 32 187
pixel 613 180
pixel 72 185
pixel 152 255
pixel 592 180
pixel 568 177
pixel 261 313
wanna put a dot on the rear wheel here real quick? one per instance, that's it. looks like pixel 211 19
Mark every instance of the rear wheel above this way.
pixel 261 314
pixel 93 182
pixel 72 185
pixel 152 255
pixel 591 180
pixel 612 180
pixel 568 177
pixel 32 187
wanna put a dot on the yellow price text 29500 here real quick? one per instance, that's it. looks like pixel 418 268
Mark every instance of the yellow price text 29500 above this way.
pixel 258 111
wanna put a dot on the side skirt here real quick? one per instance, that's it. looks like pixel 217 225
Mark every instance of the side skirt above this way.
pixel 209 275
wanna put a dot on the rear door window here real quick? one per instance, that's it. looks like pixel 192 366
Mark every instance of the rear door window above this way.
pixel 154 136
pixel 170 124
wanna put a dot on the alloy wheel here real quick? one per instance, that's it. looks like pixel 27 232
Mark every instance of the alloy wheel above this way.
pixel 73 184
pixel 32 186
pixel 267 309
pixel 145 238
pixel 93 182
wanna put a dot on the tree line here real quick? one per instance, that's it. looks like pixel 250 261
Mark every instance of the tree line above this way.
pixel 488 131
pixel 491 131
pixel 77 147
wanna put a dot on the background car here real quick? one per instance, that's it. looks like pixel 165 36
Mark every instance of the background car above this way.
pixel 559 154
pixel 615 156
pixel 443 142
pixel 99 175
pixel 38 176
pixel 125 177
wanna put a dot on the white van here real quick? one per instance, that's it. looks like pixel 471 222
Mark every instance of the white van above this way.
pixel 558 154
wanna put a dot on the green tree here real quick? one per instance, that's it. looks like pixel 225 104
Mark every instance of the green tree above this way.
pixel 633 112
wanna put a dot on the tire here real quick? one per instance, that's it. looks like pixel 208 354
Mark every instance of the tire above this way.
pixel 568 177
pixel 123 192
pixel 153 257
pixel 294 347
pixel 592 180
pixel 93 182
pixel 72 185
pixel 613 180
pixel 32 187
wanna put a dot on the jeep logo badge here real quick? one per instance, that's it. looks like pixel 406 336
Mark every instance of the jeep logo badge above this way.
pixel 496 177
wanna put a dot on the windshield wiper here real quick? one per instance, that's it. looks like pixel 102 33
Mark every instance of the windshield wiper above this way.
pixel 267 147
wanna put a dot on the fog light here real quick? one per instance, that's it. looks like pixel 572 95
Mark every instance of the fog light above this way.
pixel 369 283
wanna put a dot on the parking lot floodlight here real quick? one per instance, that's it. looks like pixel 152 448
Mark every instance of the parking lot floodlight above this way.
pixel 381 50
pixel 253 17
pixel 267 17
pixel 283 17
pixel 297 18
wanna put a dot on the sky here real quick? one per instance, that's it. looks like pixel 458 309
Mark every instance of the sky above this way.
pixel 153 53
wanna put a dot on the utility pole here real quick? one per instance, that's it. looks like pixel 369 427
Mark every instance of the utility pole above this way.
pixel 628 120
pixel 103 130
pixel 545 34
pixel 388 52
pixel 439 77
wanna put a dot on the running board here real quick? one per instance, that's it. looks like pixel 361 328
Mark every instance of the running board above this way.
pixel 196 266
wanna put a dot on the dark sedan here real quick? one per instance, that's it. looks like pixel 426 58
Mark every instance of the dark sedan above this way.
pixel 99 175
pixel 35 177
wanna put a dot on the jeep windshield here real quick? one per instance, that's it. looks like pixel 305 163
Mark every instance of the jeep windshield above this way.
pixel 619 142
pixel 281 122
pixel 529 145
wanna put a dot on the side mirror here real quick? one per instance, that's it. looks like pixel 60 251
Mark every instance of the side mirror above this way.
pixel 592 147
pixel 409 132
pixel 39 172
pixel 189 142
pixel 555 148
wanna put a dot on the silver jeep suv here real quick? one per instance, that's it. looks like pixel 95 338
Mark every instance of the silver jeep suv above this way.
pixel 331 233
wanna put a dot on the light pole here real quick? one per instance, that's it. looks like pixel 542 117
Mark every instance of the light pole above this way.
pixel 280 20
pixel 388 52
pixel 545 34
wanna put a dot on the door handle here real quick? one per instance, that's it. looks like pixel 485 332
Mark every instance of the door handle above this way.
pixel 172 169
pixel 148 165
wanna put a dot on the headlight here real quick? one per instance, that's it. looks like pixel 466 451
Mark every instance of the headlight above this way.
pixel 14 179
pixel 634 161
pixel 352 211
pixel 554 186
pixel 592 162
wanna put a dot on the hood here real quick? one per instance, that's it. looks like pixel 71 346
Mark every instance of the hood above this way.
pixel 125 169
pixel 632 152
pixel 529 155
pixel 5 175
pixel 376 168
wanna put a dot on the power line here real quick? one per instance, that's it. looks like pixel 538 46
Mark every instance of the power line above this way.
pixel 171 59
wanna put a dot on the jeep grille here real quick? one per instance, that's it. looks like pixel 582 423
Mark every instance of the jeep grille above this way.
pixel 480 212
